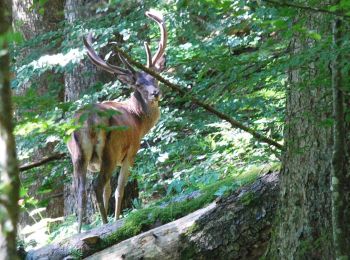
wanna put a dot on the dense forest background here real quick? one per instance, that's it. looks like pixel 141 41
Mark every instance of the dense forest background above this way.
pixel 255 87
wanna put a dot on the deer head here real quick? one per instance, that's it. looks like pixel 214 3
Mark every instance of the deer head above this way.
pixel 141 82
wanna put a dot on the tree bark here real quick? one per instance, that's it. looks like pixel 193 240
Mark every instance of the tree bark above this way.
pixel 235 227
pixel 9 176
pixel 340 178
pixel 31 24
pixel 303 224
pixel 84 74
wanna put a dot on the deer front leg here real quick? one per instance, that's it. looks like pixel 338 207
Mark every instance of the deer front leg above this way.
pixel 122 180
pixel 107 194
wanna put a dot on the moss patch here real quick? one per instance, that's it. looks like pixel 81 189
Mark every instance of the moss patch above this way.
pixel 247 198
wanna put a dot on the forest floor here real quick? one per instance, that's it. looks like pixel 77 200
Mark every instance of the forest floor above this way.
pixel 153 215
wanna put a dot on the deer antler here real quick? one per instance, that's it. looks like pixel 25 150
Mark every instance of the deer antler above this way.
pixel 155 62
pixel 98 61
pixel 158 18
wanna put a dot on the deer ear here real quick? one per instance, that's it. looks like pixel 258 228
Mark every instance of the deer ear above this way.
pixel 160 64
pixel 128 79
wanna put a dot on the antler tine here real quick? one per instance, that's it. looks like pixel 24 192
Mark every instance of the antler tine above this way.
pixel 98 61
pixel 158 18
pixel 148 54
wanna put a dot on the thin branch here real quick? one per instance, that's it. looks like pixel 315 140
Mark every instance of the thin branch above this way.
pixel 234 123
pixel 307 8
pixel 54 196
pixel 42 161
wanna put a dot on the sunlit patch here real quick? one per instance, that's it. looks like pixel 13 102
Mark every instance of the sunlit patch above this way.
pixel 50 61
pixel 38 234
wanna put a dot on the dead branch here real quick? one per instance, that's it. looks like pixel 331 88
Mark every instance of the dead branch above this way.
pixel 43 161
pixel 184 93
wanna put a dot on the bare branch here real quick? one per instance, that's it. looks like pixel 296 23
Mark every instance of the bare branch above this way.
pixel 234 123
pixel 42 161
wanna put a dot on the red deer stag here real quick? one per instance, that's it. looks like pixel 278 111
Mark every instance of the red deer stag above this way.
pixel 100 149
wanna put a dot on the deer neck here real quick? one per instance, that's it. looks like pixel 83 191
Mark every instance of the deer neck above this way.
pixel 147 112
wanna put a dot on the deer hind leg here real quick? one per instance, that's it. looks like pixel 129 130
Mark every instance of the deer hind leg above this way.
pixel 80 168
pixel 122 181
pixel 102 187
pixel 80 156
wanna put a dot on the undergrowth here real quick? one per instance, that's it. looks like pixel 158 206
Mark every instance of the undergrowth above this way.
pixel 166 210
pixel 141 220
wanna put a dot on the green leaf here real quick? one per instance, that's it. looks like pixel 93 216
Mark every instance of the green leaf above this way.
pixel 315 36
pixel 279 24
pixel 334 8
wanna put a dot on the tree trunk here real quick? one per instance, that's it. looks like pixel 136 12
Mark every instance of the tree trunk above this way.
pixel 303 225
pixel 9 178
pixel 31 24
pixel 235 227
pixel 84 74
pixel 77 81
pixel 82 77
pixel 340 176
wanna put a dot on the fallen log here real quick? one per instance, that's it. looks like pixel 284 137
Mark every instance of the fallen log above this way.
pixel 67 248
pixel 236 227
pixel 157 243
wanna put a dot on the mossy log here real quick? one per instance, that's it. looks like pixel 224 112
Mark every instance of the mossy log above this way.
pixel 234 227
pixel 78 244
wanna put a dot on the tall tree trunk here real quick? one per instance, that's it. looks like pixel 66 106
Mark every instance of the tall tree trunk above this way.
pixel 84 74
pixel 303 226
pixel 82 77
pixel 340 176
pixel 9 178
pixel 31 24
pixel 78 81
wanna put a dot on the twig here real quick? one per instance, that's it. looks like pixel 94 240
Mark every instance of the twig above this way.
pixel 307 8
pixel 54 196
